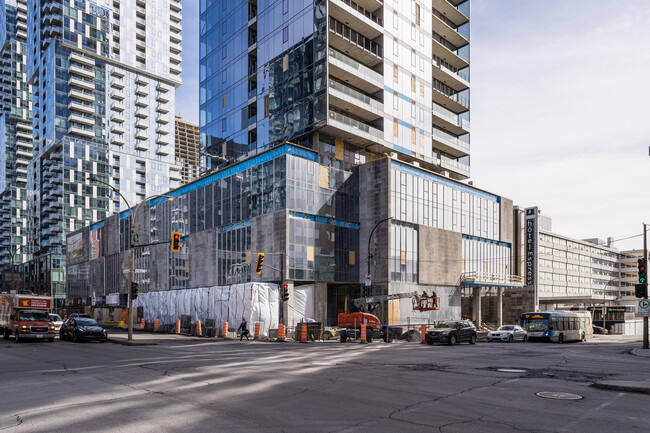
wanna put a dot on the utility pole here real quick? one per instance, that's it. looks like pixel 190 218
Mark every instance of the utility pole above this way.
pixel 645 257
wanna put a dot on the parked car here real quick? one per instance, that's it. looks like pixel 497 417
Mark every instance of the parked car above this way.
pixel 452 332
pixel 508 333
pixel 600 330
pixel 87 316
pixel 82 328
pixel 57 320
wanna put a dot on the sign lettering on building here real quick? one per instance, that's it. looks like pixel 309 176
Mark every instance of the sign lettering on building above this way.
pixel 530 238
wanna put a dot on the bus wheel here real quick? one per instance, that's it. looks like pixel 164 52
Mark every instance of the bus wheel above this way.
pixel 560 339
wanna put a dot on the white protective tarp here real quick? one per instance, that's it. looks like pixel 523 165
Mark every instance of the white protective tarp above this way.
pixel 303 303
pixel 257 302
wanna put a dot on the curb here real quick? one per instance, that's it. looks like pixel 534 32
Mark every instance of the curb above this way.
pixel 623 385
pixel 130 343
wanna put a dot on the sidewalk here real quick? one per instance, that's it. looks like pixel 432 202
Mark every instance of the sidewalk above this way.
pixel 641 386
pixel 143 338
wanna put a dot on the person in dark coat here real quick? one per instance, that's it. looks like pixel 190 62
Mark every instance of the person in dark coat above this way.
pixel 244 329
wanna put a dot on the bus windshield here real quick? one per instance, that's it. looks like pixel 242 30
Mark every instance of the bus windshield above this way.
pixel 534 325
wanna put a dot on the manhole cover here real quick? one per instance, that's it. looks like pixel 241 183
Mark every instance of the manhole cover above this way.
pixel 511 370
pixel 559 395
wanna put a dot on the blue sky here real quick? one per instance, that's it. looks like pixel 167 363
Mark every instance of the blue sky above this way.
pixel 559 115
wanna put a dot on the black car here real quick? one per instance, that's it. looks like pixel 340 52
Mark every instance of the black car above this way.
pixel 451 332
pixel 82 328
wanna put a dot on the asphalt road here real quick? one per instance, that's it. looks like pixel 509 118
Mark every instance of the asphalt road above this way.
pixel 228 386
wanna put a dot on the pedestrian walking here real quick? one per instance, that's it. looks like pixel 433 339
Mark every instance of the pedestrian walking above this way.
pixel 244 329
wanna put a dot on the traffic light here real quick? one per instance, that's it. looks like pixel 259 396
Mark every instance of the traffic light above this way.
pixel 641 290
pixel 642 271
pixel 260 262
pixel 176 242
pixel 285 293
pixel 134 290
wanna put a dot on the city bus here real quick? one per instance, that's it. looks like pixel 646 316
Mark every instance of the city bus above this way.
pixel 558 326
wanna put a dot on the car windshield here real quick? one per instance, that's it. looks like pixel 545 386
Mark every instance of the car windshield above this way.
pixel 86 322
pixel 446 324
pixel 55 317
pixel 36 316
pixel 506 328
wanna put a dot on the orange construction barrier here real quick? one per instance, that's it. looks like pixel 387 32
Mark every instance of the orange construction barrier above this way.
pixel 156 325
pixel 423 331
pixel 198 328
pixel 364 337
pixel 303 333
pixel 282 336
pixel 224 331
pixel 178 326
pixel 142 323
pixel 256 336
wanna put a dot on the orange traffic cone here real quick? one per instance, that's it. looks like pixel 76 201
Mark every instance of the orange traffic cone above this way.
pixel 178 326
pixel 282 336
pixel 364 337
pixel 256 336
pixel 142 323
pixel 224 331
pixel 423 331
pixel 303 333
pixel 156 325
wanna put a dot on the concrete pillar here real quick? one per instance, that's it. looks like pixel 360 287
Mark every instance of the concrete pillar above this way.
pixel 476 299
pixel 320 303
pixel 500 305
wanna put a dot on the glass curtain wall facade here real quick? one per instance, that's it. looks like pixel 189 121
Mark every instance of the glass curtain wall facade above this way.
pixel 15 132
pixel 104 76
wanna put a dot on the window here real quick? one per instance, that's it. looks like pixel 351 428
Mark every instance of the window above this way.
pixel 223 124
pixel 413 135
pixel 421 89
pixel 285 7
pixel 413 57
pixel 285 34
pixel 413 31
pixel 412 83
pixel 395 101
pixel 223 100
pixel 395 47
pixel 395 129
pixel 224 76
pixel 417 14
pixel 395 74
pixel 395 19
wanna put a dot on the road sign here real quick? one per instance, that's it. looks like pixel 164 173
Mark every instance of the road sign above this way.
pixel 644 308
pixel 368 280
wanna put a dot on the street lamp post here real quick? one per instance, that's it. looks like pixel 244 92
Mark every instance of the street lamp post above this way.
pixel 370 237
pixel 132 213
pixel 13 253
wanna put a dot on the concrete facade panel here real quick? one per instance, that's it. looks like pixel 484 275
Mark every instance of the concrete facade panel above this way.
pixel 440 256
pixel 374 206
pixel 507 221
pixel 203 258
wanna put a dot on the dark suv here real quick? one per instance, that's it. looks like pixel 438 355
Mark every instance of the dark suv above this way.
pixel 452 332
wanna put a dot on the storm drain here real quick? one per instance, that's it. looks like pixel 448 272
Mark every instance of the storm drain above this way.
pixel 559 395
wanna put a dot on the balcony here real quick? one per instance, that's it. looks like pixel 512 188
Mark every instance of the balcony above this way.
pixel 82 95
pixel 354 101
pixel 84 132
pixel 348 41
pixel 162 140
pixel 450 11
pixel 175 26
pixel 447 29
pixel 141 135
pixel 140 124
pixel 117 140
pixel 358 75
pixel 175 58
pixel 141 102
pixel 357 17
pixel 353 130
pixel 162 88
pixel 141 113
pixel 119 73
pixel 142 91
pixel 455 166
pixel 175 69
pixel 81 119
pixel 175 5
pixel 117 118
pixel 447 52
pixel 162 120
pixel 162 151
pixel 117 83
pixel 82 84
pixel 162 131
pixel 142 80
pixel 83 60
pixel 449 144
pixel 455 103
pixel 117 95
pixel 88 73
pixel 162 109
pixel 175 16
pixel 117 129
pixel 162 98
pixel 117 106
pixel 442 72
pixel 449 120
pixel 141 145
pixel 175 38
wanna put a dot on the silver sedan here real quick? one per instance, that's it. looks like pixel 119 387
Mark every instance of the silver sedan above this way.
pixel 508 333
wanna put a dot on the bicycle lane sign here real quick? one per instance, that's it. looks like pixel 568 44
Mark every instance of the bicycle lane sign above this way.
pixel 644 308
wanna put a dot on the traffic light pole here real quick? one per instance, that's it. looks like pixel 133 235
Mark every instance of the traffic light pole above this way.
pixel 645 256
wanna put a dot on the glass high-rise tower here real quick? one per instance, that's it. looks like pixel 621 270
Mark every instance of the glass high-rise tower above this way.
pixel 15 131
pixel 360 79
pixel 104 75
